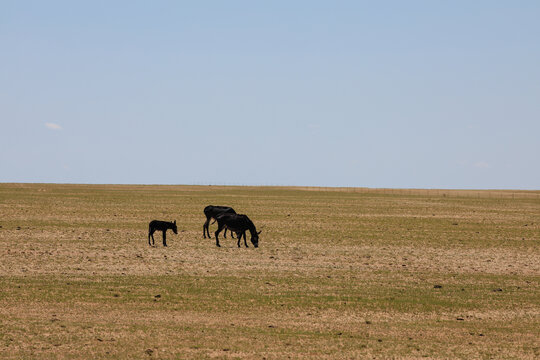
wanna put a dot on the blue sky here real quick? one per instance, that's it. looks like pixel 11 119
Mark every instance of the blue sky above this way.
pixel 416 94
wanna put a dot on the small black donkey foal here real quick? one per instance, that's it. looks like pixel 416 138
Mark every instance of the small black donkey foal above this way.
pixel 157 225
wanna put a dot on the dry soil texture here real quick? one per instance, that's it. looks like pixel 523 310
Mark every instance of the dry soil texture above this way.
pixel 338 274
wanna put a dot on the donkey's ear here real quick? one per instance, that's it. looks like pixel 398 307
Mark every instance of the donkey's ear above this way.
pixel 174 222
pixel 259 232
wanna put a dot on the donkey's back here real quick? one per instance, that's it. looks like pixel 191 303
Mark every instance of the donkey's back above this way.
pixel 211 211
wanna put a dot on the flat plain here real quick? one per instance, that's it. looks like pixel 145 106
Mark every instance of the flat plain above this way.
pixel 339 273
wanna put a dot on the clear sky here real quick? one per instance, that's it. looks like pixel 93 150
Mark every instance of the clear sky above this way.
pixel 421 94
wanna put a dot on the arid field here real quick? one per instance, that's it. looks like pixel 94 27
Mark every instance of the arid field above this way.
pixel 339 274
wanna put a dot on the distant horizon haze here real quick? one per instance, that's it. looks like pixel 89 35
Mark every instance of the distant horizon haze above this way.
pixel 366 188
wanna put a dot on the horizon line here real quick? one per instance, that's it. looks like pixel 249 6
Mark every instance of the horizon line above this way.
pixel 273 186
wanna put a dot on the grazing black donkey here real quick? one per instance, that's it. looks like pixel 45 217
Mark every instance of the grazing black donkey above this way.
pixel 157 225
pixel 238 224
pixel 212 212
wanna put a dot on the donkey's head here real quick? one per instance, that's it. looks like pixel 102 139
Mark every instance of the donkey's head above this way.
pixel 174 228
pixel 255 239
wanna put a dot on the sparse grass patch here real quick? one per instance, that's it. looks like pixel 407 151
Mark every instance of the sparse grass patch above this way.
pixel 337 274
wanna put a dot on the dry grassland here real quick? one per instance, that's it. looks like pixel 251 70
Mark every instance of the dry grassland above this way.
pixel 338 274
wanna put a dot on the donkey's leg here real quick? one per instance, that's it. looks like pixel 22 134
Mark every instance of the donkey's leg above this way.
pixel 238 236
pixel 151 234
pixel 205 228
pixel 232 233
pixel 220 227
pixel 165 237
pixel 245 243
